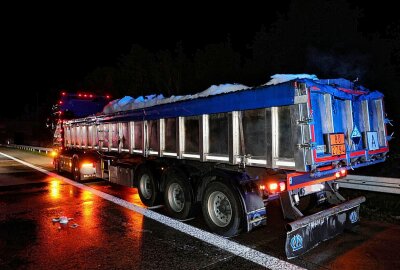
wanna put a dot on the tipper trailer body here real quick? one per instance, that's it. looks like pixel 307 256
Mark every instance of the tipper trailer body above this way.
pixel 232 153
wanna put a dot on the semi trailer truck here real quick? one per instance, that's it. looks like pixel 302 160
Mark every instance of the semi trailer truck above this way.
pixel 231 153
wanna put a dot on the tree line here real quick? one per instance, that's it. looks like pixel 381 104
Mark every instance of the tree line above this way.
pixel 318 37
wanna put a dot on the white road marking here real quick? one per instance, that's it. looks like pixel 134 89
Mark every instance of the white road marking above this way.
pixel 212 239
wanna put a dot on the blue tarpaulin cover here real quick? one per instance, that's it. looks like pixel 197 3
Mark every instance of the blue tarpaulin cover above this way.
pixel 252 98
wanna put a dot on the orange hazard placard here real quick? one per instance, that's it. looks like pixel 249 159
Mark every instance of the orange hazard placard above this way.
pixel 339 149
pixel 336 138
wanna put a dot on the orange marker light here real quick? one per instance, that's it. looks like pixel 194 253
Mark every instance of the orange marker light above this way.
pixel 87 165
pixel 262 187
pixel 337 174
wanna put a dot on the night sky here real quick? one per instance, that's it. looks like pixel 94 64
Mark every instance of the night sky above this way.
pixel 51 48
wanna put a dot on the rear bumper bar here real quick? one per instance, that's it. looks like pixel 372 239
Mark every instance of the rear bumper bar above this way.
pixel 305 233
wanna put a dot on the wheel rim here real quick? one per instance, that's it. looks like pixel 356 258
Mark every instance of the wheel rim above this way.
pixel 176 197
pixel 145 186
pixel 219 209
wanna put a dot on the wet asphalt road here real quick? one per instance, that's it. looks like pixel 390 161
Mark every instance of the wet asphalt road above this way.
pixel 109 236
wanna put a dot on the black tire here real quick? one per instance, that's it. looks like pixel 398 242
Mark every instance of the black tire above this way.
pixel 178 196
pixel 147 187
pixel 58 166
pixel 216 214
pixel 76 172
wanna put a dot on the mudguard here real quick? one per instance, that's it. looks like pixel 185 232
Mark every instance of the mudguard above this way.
pixel 252 203
pixel 305 233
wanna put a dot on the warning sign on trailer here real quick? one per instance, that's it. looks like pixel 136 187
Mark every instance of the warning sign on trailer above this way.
pixel 355 135
pixel 373 143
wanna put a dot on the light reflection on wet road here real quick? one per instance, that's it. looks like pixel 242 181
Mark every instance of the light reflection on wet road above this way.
pixel 107 237
pixel 111 237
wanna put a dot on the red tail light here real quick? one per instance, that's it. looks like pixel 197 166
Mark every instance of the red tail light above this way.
pixel 343 172
pixel 337 174
pixel 262 187
pixel 282 186
pixel 63 93
pixel 108 96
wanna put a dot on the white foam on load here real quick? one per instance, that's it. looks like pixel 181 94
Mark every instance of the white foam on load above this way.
pixel 128 103
pixel 281 78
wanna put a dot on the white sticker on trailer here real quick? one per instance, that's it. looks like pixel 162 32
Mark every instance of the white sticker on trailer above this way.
pixel 321 149
pixel 373 142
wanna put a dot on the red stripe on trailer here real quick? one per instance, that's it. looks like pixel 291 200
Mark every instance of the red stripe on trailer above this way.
pixel 331 158
pixel 350 91
pixel 378 151
pixel 325 168
pixel 357 153
pixel 312 125
pixel 312 133
pixel 309 101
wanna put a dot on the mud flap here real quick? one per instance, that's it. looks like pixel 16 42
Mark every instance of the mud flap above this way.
pixel 305 233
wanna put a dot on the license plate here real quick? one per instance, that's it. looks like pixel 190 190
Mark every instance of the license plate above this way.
pixel 339 149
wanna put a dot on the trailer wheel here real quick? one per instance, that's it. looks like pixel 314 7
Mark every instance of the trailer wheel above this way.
pixel 76 172
pixel 58 166
pixel 221 209
pixel 147 188
pixel 178 197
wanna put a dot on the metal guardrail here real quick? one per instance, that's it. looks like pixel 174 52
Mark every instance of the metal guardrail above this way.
pixel 29 148
pixel 360 182
pixel 371 183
